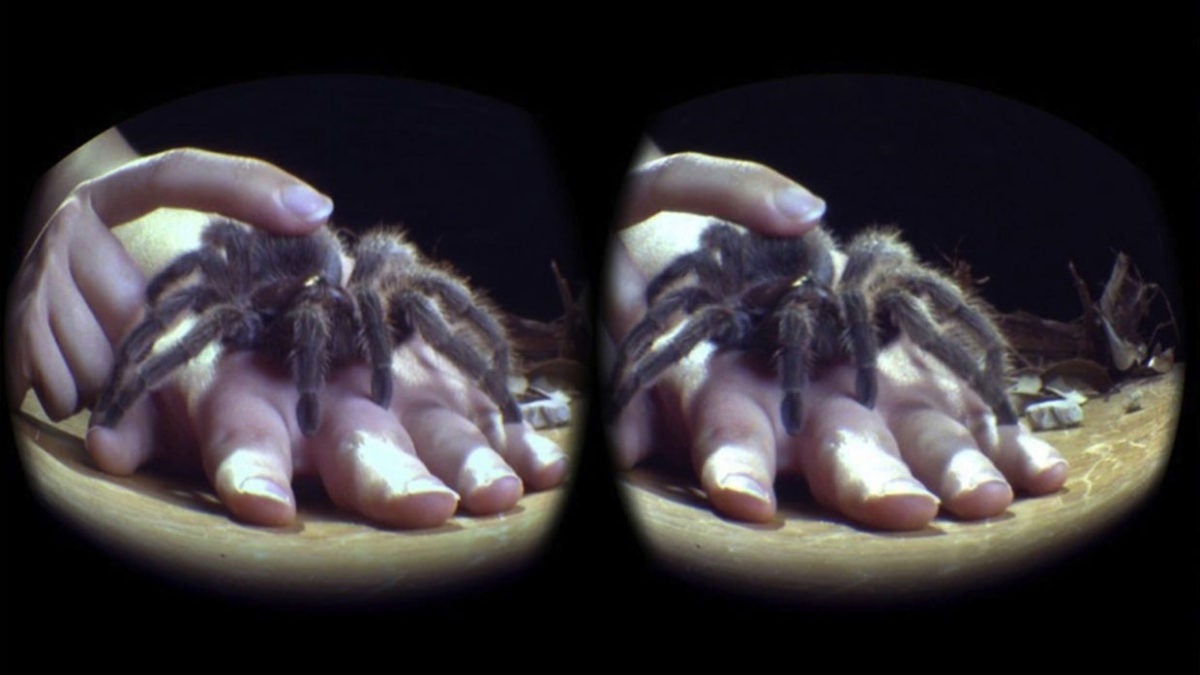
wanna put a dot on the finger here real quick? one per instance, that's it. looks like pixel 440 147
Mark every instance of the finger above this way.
pixel 734 452
pixel 539 461
pixel 1030 463
pixel 127 446
pixel 853 465
pixel 87 352
pixel 244 188
pixel 368 464
pixel 77 251
pixel 746 193
pixel 457 451
pixel 245 444
pixel 943 455
pixel 47 370
pixel 632 433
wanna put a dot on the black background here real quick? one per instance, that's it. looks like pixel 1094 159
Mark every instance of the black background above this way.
pixel 1130 84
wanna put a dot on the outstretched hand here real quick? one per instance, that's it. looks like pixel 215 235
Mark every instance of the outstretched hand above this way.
pixel 929 441
pixel 441 440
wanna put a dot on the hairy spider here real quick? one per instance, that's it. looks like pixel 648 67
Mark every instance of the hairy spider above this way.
pixel 248 289
pixel 782 296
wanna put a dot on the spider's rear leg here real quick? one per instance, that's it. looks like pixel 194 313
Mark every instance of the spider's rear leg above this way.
pixel 462 354
pixel 912 317
pixel 950 300
pixel 458 301
pixel 719 324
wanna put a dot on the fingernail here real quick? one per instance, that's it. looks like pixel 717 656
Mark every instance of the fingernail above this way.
pixel 382 465
pixel 265 488
pixel 545 452
pixel 968 470
pixel 799 204
pixel 482 471
pixel 306 203
pixel 1042 456
pixel 743 484
pixel 423 485
pixel 902 487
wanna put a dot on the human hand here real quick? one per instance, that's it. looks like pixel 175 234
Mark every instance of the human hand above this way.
pixel 79 291
pixel 408 465
pixel 928 441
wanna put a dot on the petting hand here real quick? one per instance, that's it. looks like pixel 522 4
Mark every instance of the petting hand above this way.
pixel 929 441
pixel 79 291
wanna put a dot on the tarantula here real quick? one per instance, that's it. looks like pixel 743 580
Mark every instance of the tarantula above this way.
pixel 783 296
pixel 252 290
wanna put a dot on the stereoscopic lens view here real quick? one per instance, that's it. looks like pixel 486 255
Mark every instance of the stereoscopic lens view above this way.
pixel 879 336
pixel 314 338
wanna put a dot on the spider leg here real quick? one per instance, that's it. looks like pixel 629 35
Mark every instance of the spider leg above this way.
pixel 795 337
pixel 652 325
pixel 718 324
pixel 206 260
pixel 461 353
pixel 458 301
pixel 377 340
pixel 310 335
pixel 950 300
pixel 912 317
pixel 699 262
pixel 141 339
pixel 864 344
pixel 870 256
pixel 211 326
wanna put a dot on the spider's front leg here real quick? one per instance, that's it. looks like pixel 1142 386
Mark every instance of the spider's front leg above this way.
pixel 720 324
pixel 311 331
pixel 652 326
pixel 864 343
pixel 795 339
pixel 215 324
pixel 377 341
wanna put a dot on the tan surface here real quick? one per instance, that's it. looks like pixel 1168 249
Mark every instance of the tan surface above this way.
pixel 176 525
pixel 1116 459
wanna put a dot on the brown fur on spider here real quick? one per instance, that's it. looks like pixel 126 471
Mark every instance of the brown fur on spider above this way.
pixel 783 297
pixel 249 289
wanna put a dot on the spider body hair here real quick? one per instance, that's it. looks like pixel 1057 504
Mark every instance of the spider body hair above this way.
pixel 249 289
pixel 782 296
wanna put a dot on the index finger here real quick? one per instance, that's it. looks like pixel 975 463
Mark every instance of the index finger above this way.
pixel 747 193
pixel 243 188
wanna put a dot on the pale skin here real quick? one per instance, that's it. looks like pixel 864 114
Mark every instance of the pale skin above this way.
pixel 929 444
pixel 440 445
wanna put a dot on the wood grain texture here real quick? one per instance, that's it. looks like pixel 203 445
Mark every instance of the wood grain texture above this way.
pixel 1117 458
pixel 175 525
